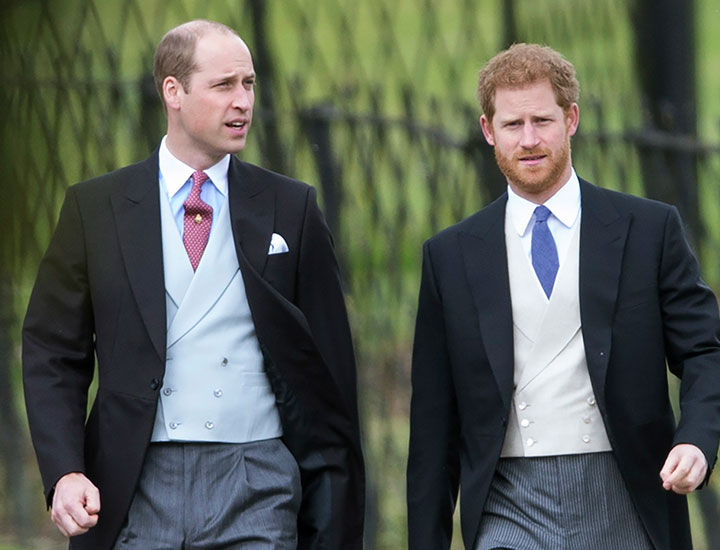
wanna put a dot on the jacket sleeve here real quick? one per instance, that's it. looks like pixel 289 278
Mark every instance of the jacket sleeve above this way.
pixel 319 295
pixel 58 351
pixel 692 341
pixel 433 461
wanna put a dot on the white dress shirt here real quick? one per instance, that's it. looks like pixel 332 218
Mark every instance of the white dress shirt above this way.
pixel 565 208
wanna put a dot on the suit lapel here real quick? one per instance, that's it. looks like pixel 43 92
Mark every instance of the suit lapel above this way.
pixel 485 258
pixel 554 323
pixel 252 213
pixel 217 269
pixel 603 232
pixel 177 269
pixel 136 207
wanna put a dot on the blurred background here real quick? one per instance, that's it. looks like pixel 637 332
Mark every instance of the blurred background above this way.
pixel 373 102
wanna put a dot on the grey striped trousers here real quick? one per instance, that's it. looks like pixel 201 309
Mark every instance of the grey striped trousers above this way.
pixel 215 496
pixel 568 502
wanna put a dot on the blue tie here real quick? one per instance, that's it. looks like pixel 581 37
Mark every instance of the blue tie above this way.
pixel 543 251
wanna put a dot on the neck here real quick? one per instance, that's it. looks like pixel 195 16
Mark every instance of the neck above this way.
pixel 186 153
pixel 542 195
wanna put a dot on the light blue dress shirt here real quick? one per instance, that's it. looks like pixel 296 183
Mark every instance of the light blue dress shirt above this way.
pixel 176 180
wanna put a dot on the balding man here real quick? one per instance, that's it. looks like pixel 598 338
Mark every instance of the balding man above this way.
pixel 208 292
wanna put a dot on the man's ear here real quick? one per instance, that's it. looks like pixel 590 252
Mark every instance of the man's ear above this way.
pixel 487 130
pixel 172 92
pixel 572 119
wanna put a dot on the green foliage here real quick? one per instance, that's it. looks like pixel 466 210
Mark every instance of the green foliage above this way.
pixel 707 52
pixel 396 80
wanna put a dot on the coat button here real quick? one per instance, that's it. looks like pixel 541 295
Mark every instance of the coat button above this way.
pixel 173 425
pixel 209 425
pixel 154 384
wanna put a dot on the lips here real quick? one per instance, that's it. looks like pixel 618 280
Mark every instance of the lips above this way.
pixel 238 127
pixel 532 158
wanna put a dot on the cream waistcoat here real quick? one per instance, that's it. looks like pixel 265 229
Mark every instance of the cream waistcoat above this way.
pixel 553 411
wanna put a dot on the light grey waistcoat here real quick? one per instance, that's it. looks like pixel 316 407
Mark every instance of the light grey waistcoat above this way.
pixel 215 387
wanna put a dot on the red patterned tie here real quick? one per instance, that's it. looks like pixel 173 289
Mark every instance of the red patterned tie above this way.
pixel 198 219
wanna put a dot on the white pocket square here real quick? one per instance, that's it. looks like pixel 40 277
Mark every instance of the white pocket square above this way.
pixel 277 245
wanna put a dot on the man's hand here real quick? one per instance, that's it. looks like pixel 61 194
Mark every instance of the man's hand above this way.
pixel 684 469
pixel 75 504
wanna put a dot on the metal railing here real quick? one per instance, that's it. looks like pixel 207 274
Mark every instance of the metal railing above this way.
pixel 373 103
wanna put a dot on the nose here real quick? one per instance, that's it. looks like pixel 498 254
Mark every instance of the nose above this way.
pixel 243 99
pixel 529 137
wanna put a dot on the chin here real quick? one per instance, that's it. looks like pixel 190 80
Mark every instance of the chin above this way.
pixel 236 147
pixel 531 182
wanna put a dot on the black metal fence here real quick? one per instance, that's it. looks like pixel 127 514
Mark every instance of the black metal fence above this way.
pixel 371 101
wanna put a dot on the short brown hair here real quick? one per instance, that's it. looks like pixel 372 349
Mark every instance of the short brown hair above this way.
pixel 175 54
pixel 524 64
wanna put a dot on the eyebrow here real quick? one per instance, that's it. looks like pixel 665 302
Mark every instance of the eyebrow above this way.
pixel 234 76
pixel 518 118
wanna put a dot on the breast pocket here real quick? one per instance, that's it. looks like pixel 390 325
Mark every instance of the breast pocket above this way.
pixel 280 273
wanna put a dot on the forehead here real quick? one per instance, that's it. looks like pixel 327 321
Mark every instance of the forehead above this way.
pixel 218 52
pixel 535 97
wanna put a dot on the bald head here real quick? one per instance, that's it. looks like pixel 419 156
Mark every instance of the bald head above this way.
pixel 175 54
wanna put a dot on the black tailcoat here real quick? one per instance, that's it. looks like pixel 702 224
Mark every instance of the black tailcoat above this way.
pixel 100 294
pixel 642 306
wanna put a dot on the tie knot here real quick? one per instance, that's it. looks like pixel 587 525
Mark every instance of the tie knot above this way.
pixel 194 203
pixel 199 177
pixel 542 213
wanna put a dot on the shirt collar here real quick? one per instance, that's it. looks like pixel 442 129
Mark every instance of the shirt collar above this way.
pixel 175 172
pixel 564 204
